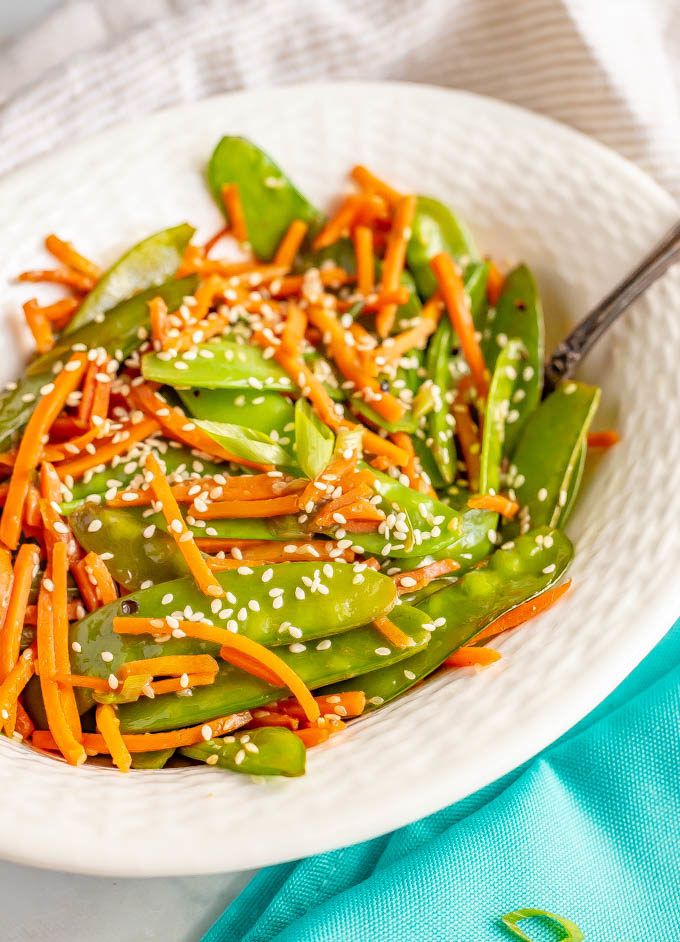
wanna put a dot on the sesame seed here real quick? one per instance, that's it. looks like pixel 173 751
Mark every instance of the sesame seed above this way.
pixel 206 732
pixel 212 760
pixel 297 648
pixel 542 494
pixel 107 657
pixel 383 652
pixel 77 647
pixel 548 569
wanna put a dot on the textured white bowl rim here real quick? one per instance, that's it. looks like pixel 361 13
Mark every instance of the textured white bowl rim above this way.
pixel 124 849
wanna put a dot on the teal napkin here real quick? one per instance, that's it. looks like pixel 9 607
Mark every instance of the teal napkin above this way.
pixel 589 829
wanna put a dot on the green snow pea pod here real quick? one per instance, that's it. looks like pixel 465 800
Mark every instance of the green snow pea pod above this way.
pixel 519 314
pixel 458 612
pixel 548 455
pixel 435 229
pixel 269 750
pixel 121 331
pixel 251 606
pixel 407 423
pixel 440 421
pixel 151 760
pixel 349 654
pixel 498 413
pixel 135 558
pixel 427 463
pixel 270 201
pixel 574 486
pixel 129 472
pixel 340 253
pixel 146 264
pixel 263 411
pixel 221 364
pixel 314 441
pixel 248 443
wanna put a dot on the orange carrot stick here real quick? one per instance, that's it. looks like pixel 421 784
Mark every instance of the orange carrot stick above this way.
pixel 120 443
pixel 605 439
pixel 234 209
pixel 158 315
pixel 25 567
pixel 184 682
pixel 290 244
pixel 59 571
pixel 171 665
pixel 39 325
pixel 521 613
pixel 204 631
pixel 60 276
pixel 65 253
pixel 393 633
pixel 395 256
pixel 61 312
pixel 363 250
pixel 496 503
pixel 83 681
pixel 182 536
pixel 313 736
pixel 345 705
pixel 151 742
pixel 12 686
pixel 414 338
pixel 368 181
pixel 106 587
pixel 416 579
pixel 472 657
pixel 30 448
pixel 108 725
pixel 458 306
pixel 240 510
pixel 68 745
pixel 494 283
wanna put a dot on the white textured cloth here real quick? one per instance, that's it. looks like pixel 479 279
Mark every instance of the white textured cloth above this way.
pixel 608 67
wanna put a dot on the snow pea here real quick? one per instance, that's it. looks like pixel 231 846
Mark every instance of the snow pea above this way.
pixel 498 415
pixel 248 443
pixel 178 459
pixel 314 441
pixel 221 364
pixel 269 750
pixel 460 611
pixel 435 229
pixel 146 264
pixel 518 314
pixel 440 421
pixel 574 485
pixel 264 411
pixel 119 333
pixel 151 760
pixel 350 654
pixel 548 455
pixel 270 201
pixel 254 610
pixel 340 253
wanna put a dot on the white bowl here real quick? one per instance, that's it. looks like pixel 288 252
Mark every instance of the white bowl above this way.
pixel 530 189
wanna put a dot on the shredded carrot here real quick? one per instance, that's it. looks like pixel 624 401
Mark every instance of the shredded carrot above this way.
pixel 59 313
pixel 60 276
pixel 393 633
pixel 345 705
pixel 241 487
pixel 368 181
pixel 151 742
pixel 239 510
pixel 119 444
pixel 270 551
pixel 179 531
pixel 30 448
pixel 108 725
pixel 63 451
pixel 290 244
pixel 294 330
pixel 85 587
pixel 6 579
pixel 497 503
pixel 32 507
pixel 293 284
pixel 83 681
pixel 213 240
pixel 24 724
pixel 265 717
pixel 184 682
pixel 87 397
pixel 39 325
pixel 313 736
pixel 395 256
pixel 229 642
pixel 64 737
pixel 171 665
pixel 11 687
pixel 106 587
pixel 234 209
pixel 65 253
pixel 467 433
pixel 176 424
pixel 472 657
pixel 341 222
pixel 414 338
pixel 458 306
pixel 158 315
pixel 521 613
pixel 494 283
pixel 25 567
pixel 75 611
pixel 605 439
pixel 416 579
pixel 59 573
pixel 363 250
pixel 252 666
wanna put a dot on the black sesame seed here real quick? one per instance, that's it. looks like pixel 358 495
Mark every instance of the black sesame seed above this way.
pixel 384 385
pixel 129 607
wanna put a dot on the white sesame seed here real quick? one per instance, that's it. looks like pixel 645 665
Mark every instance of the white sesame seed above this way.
pixel 383 652
pixel 107 657
pixel 206 732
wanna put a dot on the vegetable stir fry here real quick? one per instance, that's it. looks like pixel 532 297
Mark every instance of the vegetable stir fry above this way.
pixel 256 487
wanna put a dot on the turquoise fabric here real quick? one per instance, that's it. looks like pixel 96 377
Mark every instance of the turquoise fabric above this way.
pixel 589 829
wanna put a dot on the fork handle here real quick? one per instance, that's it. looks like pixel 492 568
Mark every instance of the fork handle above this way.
pixel 573 348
